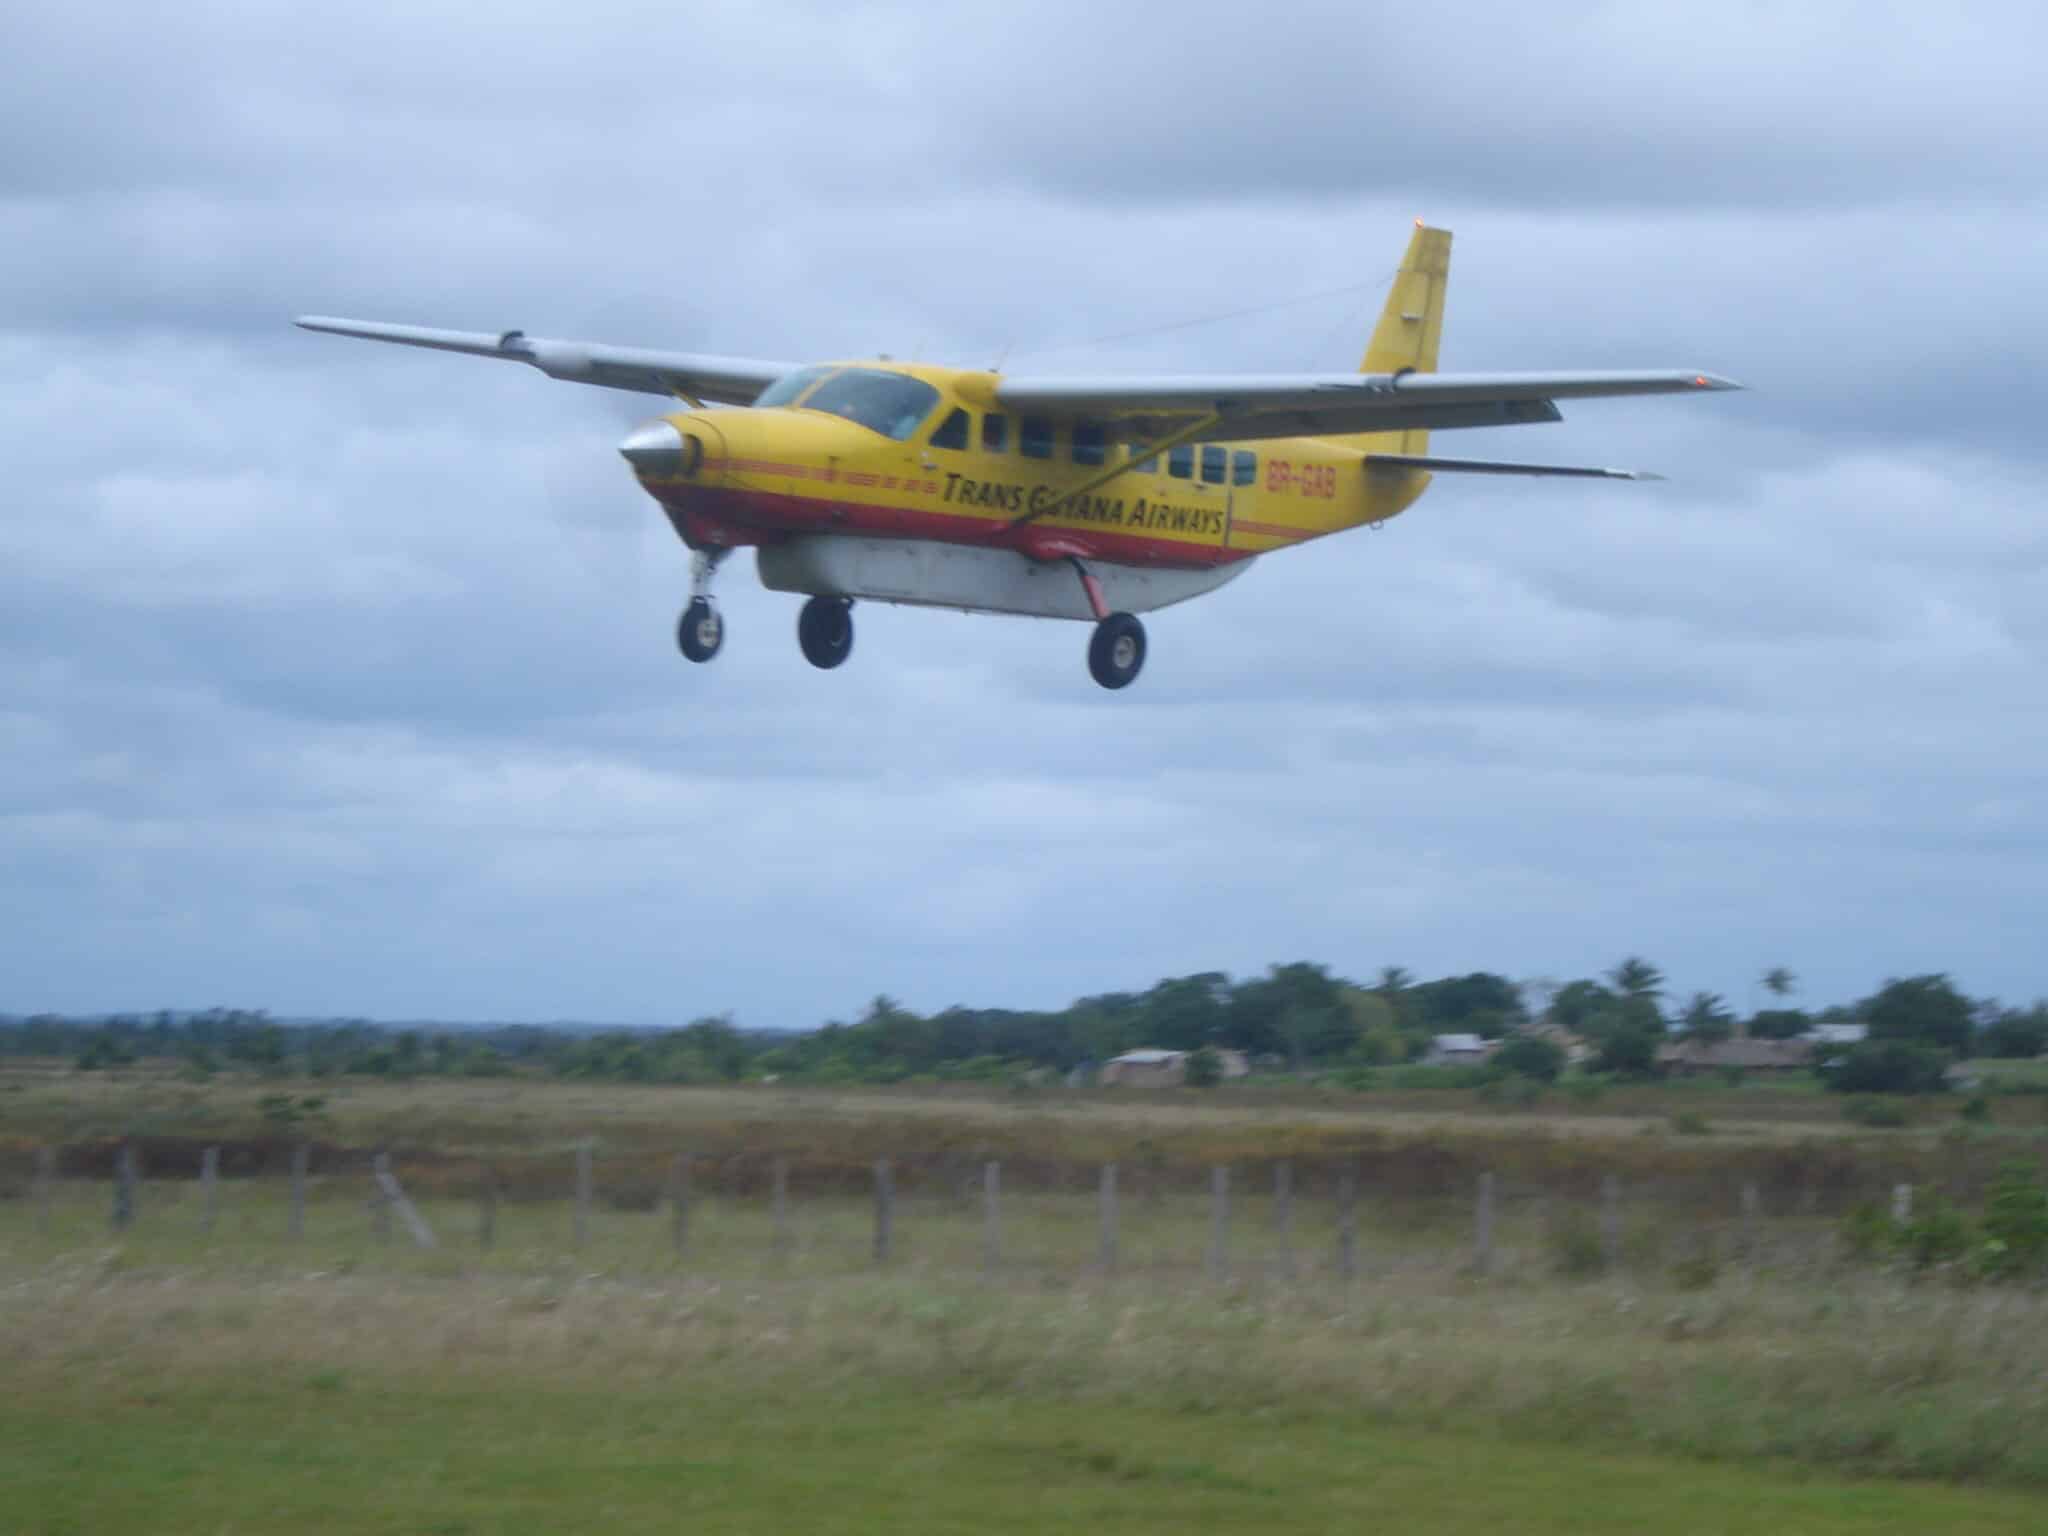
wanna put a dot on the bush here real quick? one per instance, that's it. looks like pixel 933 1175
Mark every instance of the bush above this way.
pixel 1531 1056
pixel 1691 1123
pixel 1878 1113
pixel 1889 1066
pixel 2015 1222
pixel 1977 1111
pixel 1936 1234
pixel 1205 1068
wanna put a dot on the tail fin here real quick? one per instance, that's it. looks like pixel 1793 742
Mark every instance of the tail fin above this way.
pixel 1409 329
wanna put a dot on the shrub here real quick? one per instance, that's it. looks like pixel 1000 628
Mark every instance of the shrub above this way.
pixel 1889 1066
pixel 1936 1234
pixel 1977 1110
pixel 1575 1248
pixel 1585 1089
pixel 1531 1056
pixel 1691 1123
pixel 1875 1112
pixel 2016 1221
pixel 1205 1068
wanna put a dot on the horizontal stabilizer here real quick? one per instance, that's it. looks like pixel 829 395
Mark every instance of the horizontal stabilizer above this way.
pixel 1496 467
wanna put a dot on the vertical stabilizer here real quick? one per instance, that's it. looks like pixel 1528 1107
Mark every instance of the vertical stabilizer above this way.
pixel 1409 329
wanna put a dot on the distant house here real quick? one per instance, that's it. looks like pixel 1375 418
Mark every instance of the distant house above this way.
pixel 1837 1034
pixel 1457 1050
pixel 1149 1068
pixel 1689 1058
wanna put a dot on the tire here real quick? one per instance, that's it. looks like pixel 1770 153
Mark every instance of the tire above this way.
pixel 825 631
pixel 700 631
pixel 1116 654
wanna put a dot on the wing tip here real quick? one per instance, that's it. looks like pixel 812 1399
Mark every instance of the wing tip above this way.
pixel 1714 381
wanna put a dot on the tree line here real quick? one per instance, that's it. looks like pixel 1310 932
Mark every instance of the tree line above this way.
pixel 1297 1017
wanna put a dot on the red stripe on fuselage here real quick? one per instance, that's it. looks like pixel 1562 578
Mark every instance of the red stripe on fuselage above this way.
pixel 770 516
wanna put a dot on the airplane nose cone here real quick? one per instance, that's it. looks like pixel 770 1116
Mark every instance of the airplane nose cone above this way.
pixel 656 449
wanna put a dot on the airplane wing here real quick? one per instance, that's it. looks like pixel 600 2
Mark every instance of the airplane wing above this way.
pixel 1251 406
pixel 694 375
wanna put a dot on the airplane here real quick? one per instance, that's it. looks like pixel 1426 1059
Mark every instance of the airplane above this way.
pixel 1088 498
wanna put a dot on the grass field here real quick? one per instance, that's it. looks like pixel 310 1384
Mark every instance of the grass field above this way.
pixel 1722 1376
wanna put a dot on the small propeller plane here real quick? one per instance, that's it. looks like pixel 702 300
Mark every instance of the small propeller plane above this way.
pixel 1060 497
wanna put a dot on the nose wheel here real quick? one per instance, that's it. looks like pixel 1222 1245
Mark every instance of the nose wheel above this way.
pixel 825 631
pixel 701 631
pixel 1116 653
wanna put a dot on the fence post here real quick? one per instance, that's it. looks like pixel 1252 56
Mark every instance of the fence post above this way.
pixel 487 1210
pixel 209 1187
pixel 582 1193
pixel 1610 1221
pixel 885 1210
pixel 1283 1213
pixel 1219 1221
pixel 46 1178
pixel 1750 1224
pixel 1106 1243
pixel 780 1242
pixel 302 1154
pixel 679 1201
pixel 380 1202
pixel 1347 1222
pixel 124 1187
pixel 394 1199
pixel 1482 1234
pixel 1902 1203
pixel 991 1216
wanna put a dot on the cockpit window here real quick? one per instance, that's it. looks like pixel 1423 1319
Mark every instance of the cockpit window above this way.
pixel 889 403
pixel 784 391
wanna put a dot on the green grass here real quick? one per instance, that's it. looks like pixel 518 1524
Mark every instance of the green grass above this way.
pixel 345 1451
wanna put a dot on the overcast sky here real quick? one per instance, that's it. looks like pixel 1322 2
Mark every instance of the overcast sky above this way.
pixel 339 679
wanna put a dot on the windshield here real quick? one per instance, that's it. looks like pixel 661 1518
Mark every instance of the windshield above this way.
pixel 889 403
pixel 785 389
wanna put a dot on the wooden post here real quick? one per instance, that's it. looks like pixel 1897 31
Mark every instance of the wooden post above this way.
pixel 1106 1243
pixel 1482 1227
pixel 1219 1222
pixel 380 1202
pixel 46 1179
pixel 487 1210
pixel 124 1187
pixel 582 1194
pixel 992 1216
pixel 1347 1222
pixel 394 1199
pixel 209 1187
pixel 679 1202
pixel 1610 1221
pixel 885 1210
pixel 1283 1213
pixel 780 1242
pixel 302 1154
pixel 1902 1203
pixel 1750 1224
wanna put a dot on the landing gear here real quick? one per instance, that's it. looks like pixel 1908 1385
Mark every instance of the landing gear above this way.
pixel 1117 651
pixel 825 631
pixel 700 631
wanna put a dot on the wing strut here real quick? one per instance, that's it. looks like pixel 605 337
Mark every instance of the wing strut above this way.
pixel 1152 451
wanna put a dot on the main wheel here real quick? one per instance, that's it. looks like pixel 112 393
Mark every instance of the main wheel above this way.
pixel 700 631
pixel 825 631
pixel 1117 653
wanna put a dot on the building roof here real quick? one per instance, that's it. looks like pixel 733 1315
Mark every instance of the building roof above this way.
pixel 1738 1053
pixel 1146 1057
pixel 1449 1043
pixel 1837 1034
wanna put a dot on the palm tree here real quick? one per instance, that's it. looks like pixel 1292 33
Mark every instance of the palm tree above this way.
pixel 1706 1019
pixel 1636 977
pixel 1779 982
pixel 1395 978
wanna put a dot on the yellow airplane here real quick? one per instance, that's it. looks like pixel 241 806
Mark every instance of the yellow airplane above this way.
pixel 1073 498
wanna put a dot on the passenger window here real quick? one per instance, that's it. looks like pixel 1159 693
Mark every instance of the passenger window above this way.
pixel 1180 462
pixel 1214 462
pixel 1034 438
pixel 952 432
pixel 995 434
pixel 1244 467
pixel 1149 465
pixel 1089 442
